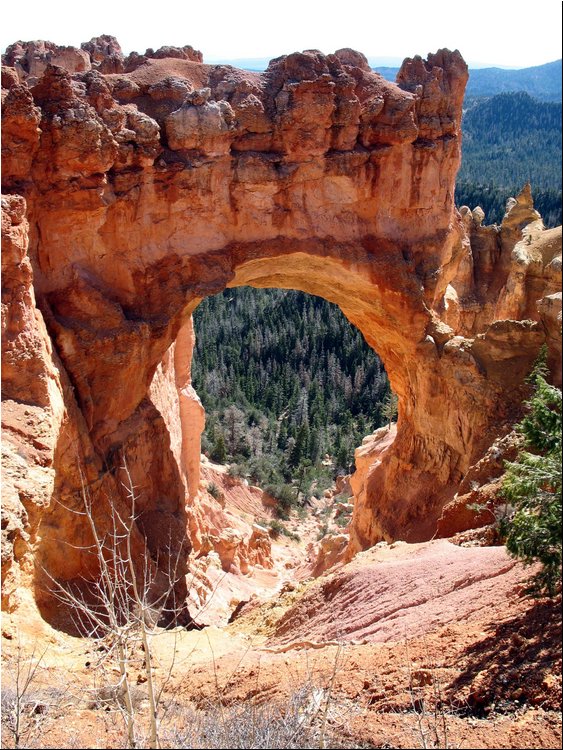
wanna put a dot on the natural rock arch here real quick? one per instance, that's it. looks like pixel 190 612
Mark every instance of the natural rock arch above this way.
pixel 145 191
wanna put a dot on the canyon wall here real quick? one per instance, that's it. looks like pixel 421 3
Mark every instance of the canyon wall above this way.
pixel 134 187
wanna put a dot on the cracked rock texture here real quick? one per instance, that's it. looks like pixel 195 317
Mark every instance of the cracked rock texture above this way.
pixel 134 187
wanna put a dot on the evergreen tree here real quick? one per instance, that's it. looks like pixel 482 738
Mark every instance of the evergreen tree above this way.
pixel 343 458
pixel 219 451
pixel 532 484
pixel 299 450
pixel 390 408
pixel 233 419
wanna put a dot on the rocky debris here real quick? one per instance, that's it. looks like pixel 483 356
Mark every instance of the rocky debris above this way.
pixel 201 125
pixel 353 58
pixel 26 374
pixel 491 678
pixel 20 133
pixel 232 558
pixel 486 658
pixel 331 551
pixel 102 53
pixel 135 60
pixel 223 520
pixel 32 405
pixel 187 52
pixel 138 141
pixel 518 663
pixel 515 265
pixel 549 308
pixel 47 459
pixel 75 142
pixel 9 79
pixel 520 213
pixel 438 84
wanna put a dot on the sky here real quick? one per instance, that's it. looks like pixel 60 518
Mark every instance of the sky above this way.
pixel 486 32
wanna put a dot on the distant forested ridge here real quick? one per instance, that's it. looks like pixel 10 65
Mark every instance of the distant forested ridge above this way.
pixel 543 82
pixel 508 140
pixel 285 379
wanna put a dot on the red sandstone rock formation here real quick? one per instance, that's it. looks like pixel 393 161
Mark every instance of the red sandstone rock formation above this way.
pixel 102 53
pixel 30 59
pixel 139 187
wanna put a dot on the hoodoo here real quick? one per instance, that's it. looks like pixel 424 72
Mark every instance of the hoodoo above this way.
pixel 135 187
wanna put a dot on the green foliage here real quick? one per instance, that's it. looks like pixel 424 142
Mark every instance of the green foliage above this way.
pixel 513 115
pixel 285 380
pixel 532 484
pixel 325 512
pixel 285 497
pixel 323 481
pixel 542 424
pixel 390 408
pixel 302 512
pixel 277 527
pixel 214 490
pixel 343 519
pixel 219 451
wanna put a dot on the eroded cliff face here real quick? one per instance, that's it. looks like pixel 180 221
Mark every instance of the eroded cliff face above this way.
pixel 138 188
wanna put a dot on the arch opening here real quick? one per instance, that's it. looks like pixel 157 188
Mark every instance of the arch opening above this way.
pixel 288 385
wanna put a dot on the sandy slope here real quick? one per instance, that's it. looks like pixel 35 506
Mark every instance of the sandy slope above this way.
pixel 396 629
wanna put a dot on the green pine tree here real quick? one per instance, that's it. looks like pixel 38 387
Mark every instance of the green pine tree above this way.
pixel 532 485
pixel 390 408
pixel 219 451
pixel 299 450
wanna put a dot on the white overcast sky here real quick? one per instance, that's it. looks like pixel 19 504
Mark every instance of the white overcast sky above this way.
pixel 516 33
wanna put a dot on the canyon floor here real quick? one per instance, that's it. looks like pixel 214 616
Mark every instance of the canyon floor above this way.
pixel 408 645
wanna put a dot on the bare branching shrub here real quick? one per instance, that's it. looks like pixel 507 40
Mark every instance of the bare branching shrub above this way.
pixel 297 723
pixel 25 705
pixel 121 608
pixel 429 705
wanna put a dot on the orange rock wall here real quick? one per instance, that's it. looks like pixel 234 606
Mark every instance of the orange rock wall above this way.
pixel 145 185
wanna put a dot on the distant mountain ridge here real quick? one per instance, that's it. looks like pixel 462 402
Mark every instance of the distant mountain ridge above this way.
pixel 541 81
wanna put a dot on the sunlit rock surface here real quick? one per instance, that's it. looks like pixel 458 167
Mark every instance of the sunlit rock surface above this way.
pixel 135 187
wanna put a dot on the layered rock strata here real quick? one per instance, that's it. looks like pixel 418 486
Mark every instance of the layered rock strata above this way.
pixel 138 188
